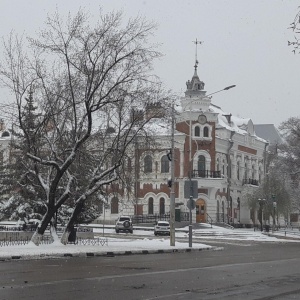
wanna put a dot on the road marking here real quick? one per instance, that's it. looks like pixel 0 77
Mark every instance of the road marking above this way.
pixel 111 277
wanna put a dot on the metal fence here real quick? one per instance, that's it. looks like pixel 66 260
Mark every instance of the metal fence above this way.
pixel 18 228
pixel 23 241
pixel 138 219
pixel 101 241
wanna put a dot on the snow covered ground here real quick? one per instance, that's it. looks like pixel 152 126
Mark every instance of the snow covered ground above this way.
pixel 141 241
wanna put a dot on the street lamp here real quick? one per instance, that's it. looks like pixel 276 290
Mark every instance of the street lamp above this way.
pixel 239 207
pixel 274 212
pixel 261 203
pixel 172 193
pixel 225 89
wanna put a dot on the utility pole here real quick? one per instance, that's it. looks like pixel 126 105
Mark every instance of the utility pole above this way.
pixel 172 193
pixel 191 187
pixel 274 212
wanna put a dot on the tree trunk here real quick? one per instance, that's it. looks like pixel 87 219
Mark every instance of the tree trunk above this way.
pixel 70 225
pixel 37 236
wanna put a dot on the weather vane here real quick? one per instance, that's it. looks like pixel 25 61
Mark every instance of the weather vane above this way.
pixel 196 43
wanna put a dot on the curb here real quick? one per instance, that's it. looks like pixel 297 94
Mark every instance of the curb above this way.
pixel 283 237
pixel 110 253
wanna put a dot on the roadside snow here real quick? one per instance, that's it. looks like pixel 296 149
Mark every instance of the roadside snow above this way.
pixel 140 240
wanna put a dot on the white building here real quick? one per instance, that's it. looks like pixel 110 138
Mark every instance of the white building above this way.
pixel 221 152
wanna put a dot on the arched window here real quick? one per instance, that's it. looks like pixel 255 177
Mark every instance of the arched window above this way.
pixel 223 168
pixel 148 164
pixel 205 132
pixel 201 166
pixel 5 134
pixel 161 206
pixel 197 131
pixel 165 164
pixel 238 170
pixel 150 206
pixel 253 172
pixel 114 206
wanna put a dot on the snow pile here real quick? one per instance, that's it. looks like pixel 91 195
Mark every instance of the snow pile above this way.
pixel 113 245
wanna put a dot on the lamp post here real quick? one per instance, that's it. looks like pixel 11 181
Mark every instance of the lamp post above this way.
pixel 261 204
pixel 239 207
pixel 172 193
pixel 274 212
pixel 103 208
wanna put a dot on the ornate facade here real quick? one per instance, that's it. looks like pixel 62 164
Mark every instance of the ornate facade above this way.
pixel 220 152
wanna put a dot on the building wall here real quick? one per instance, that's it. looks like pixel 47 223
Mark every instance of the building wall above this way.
pixel 234 160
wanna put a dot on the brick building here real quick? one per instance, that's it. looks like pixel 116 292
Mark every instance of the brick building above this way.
pixel 220 152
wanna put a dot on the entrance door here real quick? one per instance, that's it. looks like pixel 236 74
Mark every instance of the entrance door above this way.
pixel 200 211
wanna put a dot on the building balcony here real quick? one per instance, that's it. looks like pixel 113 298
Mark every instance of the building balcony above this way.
pixel 206 174
pixel 250 181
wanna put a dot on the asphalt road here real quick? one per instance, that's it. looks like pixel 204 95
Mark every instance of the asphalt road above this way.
pixel 243 270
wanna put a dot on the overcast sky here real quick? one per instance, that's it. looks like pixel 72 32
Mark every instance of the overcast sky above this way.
pixel 244 43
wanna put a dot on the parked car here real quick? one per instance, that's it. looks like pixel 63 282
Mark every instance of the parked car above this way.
pixel 124 223
pixel 162 227
pixel 29 225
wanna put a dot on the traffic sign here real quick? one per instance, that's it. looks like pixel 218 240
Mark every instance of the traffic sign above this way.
pixel 191 204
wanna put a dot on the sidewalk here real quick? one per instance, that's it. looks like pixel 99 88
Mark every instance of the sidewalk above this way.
pixel 142 241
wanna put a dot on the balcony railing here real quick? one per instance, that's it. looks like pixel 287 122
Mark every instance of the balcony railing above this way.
pixel 206 174
pixel 250 181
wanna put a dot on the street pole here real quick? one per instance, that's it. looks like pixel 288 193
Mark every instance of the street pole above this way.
pixel 274 212
pixel 190 175
pixel 261 203
pixel 172 193
pixel 261 216
pixel 103 208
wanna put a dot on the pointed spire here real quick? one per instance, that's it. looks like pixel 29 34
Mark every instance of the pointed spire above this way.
pixel 196 42
pixel 196 66
pixel 195 85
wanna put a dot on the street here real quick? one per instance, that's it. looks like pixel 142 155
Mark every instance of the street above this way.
pixel 243 270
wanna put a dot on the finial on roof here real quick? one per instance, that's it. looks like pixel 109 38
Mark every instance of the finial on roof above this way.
pixel 196 50
pixel 195 85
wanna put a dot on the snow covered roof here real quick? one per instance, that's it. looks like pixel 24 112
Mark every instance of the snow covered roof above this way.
pixel 159 126
pixel 268 132
pixel 234 123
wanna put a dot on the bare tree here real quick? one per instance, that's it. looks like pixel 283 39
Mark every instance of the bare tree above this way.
pixel 289 159
pixel 295 26
pixel 88 83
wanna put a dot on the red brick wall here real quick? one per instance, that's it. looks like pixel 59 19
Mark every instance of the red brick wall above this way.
pixel 209 146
